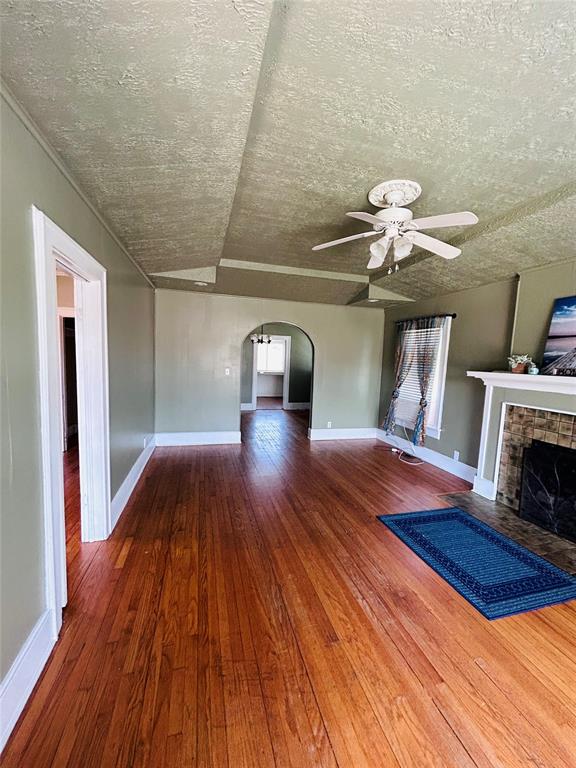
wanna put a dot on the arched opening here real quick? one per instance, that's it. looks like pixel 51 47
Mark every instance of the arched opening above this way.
pixel 277 373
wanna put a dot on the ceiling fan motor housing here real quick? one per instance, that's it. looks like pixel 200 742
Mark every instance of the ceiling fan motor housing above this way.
pixel 394 217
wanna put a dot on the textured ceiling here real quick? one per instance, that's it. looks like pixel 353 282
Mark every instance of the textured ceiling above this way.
pixel 149 103
pixel 244 130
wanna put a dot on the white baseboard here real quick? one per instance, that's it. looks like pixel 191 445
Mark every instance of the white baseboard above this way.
pixel 247 407
pixel 360 433
pixel 485 488
pixel 23 674
pixel 125 491
pixel 458 468
pixel 196 438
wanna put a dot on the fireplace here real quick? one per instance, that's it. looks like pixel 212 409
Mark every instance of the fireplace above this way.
pixel 548 488
pixel 517 410
pixel 520 427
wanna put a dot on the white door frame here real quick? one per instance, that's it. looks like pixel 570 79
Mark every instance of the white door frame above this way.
pixel 52 248
pixel 285 379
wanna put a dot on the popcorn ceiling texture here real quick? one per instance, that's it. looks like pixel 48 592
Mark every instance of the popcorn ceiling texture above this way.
pixel 148 102
pixel 245 130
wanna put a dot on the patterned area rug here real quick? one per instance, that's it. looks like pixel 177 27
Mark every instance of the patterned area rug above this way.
pixel 497 575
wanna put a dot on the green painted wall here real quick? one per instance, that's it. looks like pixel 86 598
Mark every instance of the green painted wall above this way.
pixel 199 335
pixel 482 336
pixel 480 339
pixel 301 359
pixel 29 177
pixel 536 293
pixel 246 369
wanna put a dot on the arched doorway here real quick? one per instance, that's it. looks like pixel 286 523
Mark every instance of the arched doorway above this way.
pixel 277 372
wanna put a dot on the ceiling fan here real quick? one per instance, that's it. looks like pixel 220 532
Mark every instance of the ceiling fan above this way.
pixel 395 225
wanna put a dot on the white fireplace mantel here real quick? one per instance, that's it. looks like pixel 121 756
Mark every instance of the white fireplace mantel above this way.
pixel 560 385
pixel 485 482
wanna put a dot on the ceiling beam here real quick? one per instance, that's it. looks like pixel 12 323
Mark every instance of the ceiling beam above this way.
pixel 202 274
pixel 374 294
pixel 280 269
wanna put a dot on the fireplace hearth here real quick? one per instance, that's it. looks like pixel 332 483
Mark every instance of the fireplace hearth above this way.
pixel 548 488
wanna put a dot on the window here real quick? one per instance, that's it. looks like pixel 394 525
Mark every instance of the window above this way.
pixel 407 404
pixel 271 357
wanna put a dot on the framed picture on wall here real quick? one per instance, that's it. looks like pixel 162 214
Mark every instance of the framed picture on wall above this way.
pixel 560 349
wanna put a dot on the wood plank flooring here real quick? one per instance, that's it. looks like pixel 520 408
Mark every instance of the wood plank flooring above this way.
pixel 250 611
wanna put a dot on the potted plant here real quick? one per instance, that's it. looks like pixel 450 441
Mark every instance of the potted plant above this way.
pixel 519 363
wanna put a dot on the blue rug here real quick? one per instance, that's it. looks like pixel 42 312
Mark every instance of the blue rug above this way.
pixel 497 575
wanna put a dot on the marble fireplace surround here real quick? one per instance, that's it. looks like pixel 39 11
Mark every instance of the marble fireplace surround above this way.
pixel 545 393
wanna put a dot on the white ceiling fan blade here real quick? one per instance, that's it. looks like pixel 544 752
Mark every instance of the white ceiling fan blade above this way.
pixel 344 240
pixel 445 220
pixel 378 251
pixel 445 250
pixel 369 217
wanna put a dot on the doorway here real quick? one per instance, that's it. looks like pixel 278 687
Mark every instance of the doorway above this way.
pixel 65 293
pixel 58 255
pixel 67 348
pixel 277 369
pixel 271 373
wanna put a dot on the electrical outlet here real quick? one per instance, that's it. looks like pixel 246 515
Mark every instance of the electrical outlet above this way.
pixel 329 425
pixel 456 456
pixel 226 371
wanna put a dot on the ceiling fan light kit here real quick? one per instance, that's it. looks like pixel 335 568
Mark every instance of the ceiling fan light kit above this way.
pixel 397 227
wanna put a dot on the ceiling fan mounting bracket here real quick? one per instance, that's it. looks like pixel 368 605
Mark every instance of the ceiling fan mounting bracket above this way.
pixel 397 192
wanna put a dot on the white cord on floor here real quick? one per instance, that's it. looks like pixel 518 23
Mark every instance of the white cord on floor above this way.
pixel 413 453
pixel 402 452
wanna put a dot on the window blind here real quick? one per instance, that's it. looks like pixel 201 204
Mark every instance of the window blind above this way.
pixel 416 342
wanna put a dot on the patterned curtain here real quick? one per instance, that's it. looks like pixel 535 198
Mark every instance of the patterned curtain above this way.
pixel 425 362
pixel 423 356
pixel 403 362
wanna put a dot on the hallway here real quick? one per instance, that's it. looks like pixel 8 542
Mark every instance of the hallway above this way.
pixel 250 611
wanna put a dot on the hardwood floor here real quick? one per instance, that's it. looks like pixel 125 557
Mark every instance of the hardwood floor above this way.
pixel 250 611
pixel 72 501
pixel 78 555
